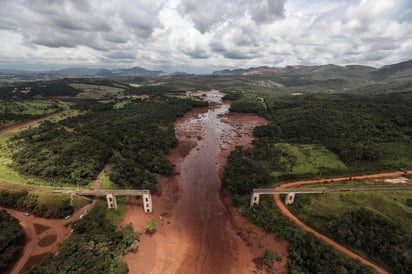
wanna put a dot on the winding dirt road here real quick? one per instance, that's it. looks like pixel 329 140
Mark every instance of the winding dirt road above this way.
pixel 322 237
pixel 58 227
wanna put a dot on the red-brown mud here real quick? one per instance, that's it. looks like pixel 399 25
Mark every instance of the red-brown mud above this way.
pixel 197 231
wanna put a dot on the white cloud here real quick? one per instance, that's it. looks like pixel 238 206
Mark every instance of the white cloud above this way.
pixel 204 35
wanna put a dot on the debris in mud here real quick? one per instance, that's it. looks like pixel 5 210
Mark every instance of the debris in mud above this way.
pixel 164 215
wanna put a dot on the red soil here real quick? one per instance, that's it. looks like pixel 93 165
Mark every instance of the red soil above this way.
pixel 198 231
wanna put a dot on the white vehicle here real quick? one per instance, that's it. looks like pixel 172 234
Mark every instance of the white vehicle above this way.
pixel 67 217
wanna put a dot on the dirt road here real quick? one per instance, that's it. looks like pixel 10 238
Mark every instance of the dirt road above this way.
pixel 57 227
pixel 322 237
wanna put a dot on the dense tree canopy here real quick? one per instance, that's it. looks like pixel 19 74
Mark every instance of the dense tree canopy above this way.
pixel 11 241
pixel 133 138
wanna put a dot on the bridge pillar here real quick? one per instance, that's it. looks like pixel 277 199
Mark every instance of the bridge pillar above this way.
pixel 111 201
pixel 147 202
pixel 290 198
pixel 254 199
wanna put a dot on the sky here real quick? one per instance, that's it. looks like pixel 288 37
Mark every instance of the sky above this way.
pixel 200 36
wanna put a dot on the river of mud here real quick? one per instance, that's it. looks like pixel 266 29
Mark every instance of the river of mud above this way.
pixel 197 232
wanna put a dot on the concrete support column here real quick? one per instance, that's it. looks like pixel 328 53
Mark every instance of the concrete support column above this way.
pixel 290 198
pixel 147 202
pixel 254 199
pixel 111 201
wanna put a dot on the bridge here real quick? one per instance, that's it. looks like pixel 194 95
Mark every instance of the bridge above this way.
pixel 290 197
pixel 109 193
pixel 111 196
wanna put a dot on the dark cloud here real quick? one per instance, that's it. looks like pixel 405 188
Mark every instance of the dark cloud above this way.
pixel 239 55
pixel 197 53
pixel 267 11
pixel 124 55
pixel 204 14
pixel 141 16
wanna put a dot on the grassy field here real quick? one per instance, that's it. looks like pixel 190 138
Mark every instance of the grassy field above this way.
pixel 302 159
pixel 121 104
pixel 6 172
pixel 6 151
pixel 21 110
pixel 391 205
pixel 115 215
pixel 96 91
pixel 35 108
pixel 105 183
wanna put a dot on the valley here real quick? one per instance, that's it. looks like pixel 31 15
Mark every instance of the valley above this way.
pixel 201 153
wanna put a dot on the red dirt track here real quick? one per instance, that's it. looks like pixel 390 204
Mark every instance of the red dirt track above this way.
pixel 322 237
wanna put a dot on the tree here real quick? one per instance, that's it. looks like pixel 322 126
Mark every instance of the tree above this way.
pixel 151 227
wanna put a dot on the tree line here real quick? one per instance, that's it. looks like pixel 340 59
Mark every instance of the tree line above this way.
pixel 11 241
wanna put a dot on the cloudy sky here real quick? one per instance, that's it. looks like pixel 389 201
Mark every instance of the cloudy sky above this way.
pixel 202 35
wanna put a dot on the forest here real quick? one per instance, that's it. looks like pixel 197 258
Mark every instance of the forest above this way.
pixel 367 133
pixel 133 139
pixel 40 204
pixel 379 229
pixel 95 246
pixel 321 135
pixel 11 241
pixel 309 254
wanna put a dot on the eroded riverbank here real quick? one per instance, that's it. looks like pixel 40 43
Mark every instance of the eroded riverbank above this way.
pixel 197 232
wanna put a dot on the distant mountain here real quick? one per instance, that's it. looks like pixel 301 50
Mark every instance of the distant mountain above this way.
pixel 329 70
pixel 325 75
pixel 399 70
pixel 80 72
pixel 138 71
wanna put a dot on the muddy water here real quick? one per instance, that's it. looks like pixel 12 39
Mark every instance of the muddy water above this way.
pixel 214 245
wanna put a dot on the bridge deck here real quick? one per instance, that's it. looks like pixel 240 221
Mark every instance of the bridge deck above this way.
pixel 326 189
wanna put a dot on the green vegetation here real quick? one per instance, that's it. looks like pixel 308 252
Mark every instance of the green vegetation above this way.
pixel 309 254
pixel 11 241
pixel 115 216
pixel 249 103
pixel 133 138
pixel 38 203
pixel 376 224
pixel 95 91
pixel 95 246
pixel 321 135
pixel 324 135
pixel 269 257
pixel 151 227
pixel 12 111
pixel 306 159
